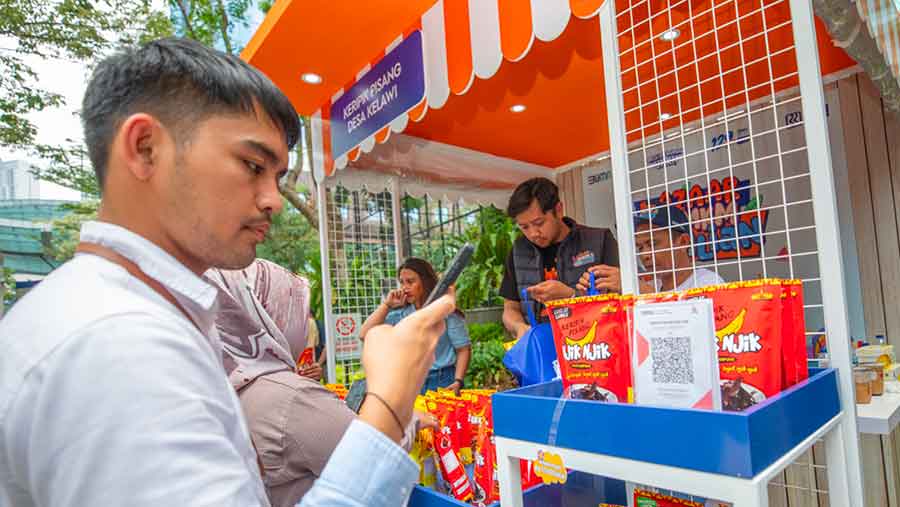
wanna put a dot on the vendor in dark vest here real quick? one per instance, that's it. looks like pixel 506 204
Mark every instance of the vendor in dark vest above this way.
pixel 551 255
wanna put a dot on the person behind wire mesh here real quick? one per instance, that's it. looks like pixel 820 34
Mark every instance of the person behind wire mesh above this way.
pixel 451 358
pixel 662 239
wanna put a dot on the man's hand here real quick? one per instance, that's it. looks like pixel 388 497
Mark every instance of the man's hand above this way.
pixel 396 360
pixel 606 278
pixel 550 290
pixel 520 332
pixel 395 299
pixel 455 387
pixel 312 370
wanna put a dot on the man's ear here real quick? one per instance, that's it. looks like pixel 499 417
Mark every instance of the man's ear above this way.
pixel 558 209
pixel 139 144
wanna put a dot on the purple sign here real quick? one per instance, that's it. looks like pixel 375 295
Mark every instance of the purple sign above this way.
pixel 391 88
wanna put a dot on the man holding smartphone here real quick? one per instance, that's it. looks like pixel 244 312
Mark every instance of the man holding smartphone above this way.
pixel 551 255
pixel 117 395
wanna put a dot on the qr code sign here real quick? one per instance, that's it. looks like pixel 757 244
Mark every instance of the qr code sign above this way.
pixel 672 361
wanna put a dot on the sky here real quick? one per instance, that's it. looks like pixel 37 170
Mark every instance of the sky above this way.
pixel 69 79
pixel 55 125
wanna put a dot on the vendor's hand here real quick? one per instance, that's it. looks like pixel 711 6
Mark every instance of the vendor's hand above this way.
pixel 605 278
pixel 524 328
pixel 397 359
pixel 312 370
pixel 395 299
pixel 550 290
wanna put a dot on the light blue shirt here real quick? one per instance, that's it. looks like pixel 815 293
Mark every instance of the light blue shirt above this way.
pixel 455 337
pixel 366 469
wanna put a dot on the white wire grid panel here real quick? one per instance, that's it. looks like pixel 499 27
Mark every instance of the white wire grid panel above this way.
pixel 363 265
pixel 714 123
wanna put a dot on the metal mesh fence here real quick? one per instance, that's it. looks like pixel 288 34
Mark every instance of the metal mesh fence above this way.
pixel 363 267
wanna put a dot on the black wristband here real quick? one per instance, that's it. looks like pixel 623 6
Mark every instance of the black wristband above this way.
pixel 391 410
pixel 462 383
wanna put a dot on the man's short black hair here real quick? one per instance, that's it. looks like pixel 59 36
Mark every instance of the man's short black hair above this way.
pixel 180 82
pixel 541 189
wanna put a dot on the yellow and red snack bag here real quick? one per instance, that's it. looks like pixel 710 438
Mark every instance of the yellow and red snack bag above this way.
pixel 463 436
pixel 749 335
pixel 592 347
pixel 339 390
pixel 487 485
pixel 306 358
pixel 446 447
pixel 644 498
pixel 478 405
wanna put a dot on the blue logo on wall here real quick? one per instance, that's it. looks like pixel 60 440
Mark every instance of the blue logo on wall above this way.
pixel 391 88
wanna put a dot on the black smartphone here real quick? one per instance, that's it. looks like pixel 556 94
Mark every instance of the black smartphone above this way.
pixel 457 265
pixel 356 395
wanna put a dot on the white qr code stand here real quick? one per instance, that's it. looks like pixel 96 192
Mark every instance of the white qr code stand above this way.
pixel 728 457
pixel 716 104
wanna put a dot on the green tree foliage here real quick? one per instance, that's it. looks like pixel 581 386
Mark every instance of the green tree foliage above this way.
pixel 77 30
pixel 212 22
pixel 65 232
pixel 492 235
pixel 7 287
pixel 486 368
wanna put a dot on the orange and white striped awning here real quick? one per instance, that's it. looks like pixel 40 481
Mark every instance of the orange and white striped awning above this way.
pixel 462 40
pixel 561 83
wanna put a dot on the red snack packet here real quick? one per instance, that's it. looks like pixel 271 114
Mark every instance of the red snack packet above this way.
pixel 463 437
pixel 749 336
pixel 529 478
pixel 479 410
pixel 647 498
pixel 799 333
pixel 592 347
pixel 789 371
pixel 487 485
pixel 446 447
pixel 306 357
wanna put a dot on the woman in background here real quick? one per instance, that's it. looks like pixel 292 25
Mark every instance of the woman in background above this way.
pixel 451 357
pixel 294 422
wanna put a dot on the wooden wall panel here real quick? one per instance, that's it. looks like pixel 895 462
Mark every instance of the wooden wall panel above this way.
pixel 800 477
pixel 777 491
pixel 819 458
pixel 863 215
pixel 875 489
pixel 892 132
pixel 578 189
pixel 883 203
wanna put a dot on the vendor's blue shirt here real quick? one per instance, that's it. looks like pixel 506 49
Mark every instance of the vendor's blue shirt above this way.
pixel 455 337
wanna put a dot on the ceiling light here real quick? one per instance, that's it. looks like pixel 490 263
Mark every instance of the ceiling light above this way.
pixel 311 78
pixel 518 108
pixel 665 116
pixel 670 35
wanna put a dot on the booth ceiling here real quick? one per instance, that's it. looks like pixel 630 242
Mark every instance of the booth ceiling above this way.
pixel 482 57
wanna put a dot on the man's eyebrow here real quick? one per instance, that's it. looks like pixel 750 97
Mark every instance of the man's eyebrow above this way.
pixel 263 150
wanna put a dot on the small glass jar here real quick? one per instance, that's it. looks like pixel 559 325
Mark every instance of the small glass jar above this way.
pixel 878 383
pixel 863 379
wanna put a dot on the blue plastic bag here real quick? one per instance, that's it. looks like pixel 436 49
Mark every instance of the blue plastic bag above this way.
pixel 531 360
